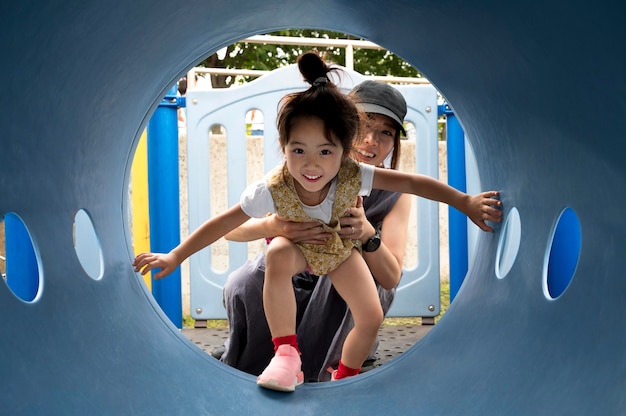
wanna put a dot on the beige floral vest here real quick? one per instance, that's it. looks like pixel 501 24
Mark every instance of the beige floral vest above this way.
pixel 320 258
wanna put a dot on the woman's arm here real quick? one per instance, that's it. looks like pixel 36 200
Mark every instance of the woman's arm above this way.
pixel 273 226
pixel 479 208
pixel 253 229
pixel 209 232
pixel 386 262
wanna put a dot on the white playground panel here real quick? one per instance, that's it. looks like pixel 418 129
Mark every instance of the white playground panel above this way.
pixel 418 292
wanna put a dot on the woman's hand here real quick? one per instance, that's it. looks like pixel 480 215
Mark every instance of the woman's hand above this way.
pixel 298 232
pixel 355 225
pixel 145 262
pixel 484 207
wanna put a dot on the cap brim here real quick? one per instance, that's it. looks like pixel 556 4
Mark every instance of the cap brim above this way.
pixel 379 109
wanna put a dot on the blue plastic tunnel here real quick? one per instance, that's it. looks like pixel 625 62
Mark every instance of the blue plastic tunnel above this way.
pixel 538 88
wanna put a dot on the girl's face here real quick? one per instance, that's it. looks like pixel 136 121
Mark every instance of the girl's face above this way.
pixel 312 159
pixel 377 140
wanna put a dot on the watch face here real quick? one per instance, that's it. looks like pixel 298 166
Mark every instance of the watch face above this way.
pixel 372 244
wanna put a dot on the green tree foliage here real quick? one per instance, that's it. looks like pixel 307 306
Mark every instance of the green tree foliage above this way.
pixel 244 55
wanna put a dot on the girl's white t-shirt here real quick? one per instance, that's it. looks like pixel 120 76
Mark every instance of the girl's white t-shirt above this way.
pixel 256 200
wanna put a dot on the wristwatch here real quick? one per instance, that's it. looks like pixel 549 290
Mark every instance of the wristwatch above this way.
pixel 373 243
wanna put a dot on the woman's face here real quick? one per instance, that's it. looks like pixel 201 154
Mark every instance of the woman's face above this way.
pixel 377 140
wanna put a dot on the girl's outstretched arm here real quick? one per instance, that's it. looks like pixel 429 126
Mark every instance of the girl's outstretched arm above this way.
pixel 479 208
pixel 205 235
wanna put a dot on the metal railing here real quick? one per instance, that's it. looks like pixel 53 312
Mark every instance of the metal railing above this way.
pixel 348 44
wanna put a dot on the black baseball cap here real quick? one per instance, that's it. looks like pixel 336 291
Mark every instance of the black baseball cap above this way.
pixel 381 98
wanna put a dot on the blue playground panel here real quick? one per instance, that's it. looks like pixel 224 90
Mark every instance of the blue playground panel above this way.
pixel 531 85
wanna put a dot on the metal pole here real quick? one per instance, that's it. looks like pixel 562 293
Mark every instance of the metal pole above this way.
pixel 457 221
pixel 21 261
pixel 163 199
pixel 349 57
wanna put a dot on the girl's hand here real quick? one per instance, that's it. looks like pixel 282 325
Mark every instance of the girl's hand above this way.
pixel 299 232
pixel 145 262
pixel 355 224
pixel 484 207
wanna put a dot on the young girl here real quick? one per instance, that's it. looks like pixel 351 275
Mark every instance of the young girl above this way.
pixel 318 181
pixel 323 319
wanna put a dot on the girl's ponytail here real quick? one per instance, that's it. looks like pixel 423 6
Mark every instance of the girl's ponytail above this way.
pixel 314 70
pixel 323 100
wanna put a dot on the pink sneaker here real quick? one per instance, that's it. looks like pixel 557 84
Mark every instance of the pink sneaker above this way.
pixel 333 373
pixel 284 371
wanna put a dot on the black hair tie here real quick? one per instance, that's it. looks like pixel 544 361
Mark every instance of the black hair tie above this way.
pixel 320 81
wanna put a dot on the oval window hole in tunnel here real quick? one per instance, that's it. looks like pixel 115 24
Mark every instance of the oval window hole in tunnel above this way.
pixel 87 245
pixel 18 261
pixel 563 254
pixel 508 245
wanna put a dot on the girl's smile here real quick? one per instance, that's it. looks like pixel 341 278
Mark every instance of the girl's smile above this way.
pixel 312 178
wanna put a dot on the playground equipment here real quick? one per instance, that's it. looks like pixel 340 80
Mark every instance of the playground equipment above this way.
pixel 418 293
pixel 226 110
pixel 531 88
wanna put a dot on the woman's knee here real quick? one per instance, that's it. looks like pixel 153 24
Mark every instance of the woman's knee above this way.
pixel 247 279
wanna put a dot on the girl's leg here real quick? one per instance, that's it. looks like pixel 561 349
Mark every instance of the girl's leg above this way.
pixel 249 345
pixel 283 260
pixel 354 282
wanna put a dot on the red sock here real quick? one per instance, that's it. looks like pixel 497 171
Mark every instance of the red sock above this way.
pixel 289 339
pixel 343 371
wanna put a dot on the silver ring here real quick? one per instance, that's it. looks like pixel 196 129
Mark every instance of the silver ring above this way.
pixel 352 229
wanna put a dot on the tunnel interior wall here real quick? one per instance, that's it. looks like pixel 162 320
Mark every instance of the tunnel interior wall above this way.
pixel 537 88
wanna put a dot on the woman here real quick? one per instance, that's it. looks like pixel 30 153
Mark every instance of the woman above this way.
pixel 323 319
